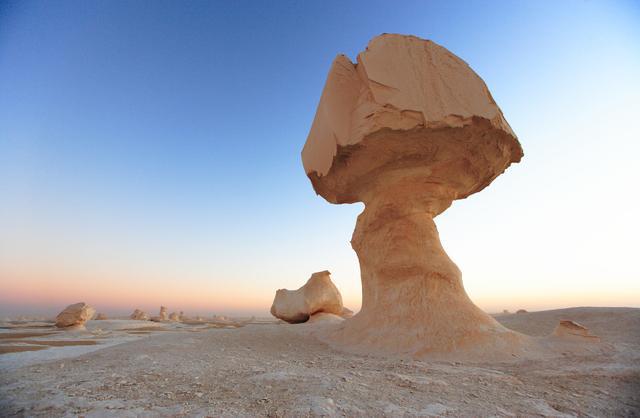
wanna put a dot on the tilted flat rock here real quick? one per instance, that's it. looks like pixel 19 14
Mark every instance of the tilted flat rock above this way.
pixel 406 130
pixel 323 317
pixel 573 330
pixel 346 312
pixel 75 315
pixel 139 315
pixel 319 294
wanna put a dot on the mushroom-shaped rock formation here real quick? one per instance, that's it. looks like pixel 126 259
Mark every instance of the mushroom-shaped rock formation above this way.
pixel 319 294
pixel 139 315
pixel 75 315
pixel 406 130
pixel 574 331
pixel 164 314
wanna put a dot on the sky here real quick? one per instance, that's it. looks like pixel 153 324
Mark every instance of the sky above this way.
pixel 150 152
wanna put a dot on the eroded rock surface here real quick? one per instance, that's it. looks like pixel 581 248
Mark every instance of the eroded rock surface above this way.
pixel 164 314
pixel 407 129
pixel 346 312
pixel 75 315
pixel 274 370
pixel 319 294
pixel 139 315
pixel 573 330
pixel 322 317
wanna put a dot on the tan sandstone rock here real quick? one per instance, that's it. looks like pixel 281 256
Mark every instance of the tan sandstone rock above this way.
pixel 220 319
pixel 406 130
pixel 573 330
pixel 75 315
pixel 164 314
pixel 101 317
pixel 346 312
pixel 174 316
pixel 323 317
pixel 139 315
pixel 319 294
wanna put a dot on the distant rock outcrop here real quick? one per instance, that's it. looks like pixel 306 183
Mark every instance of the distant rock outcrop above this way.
pixel 164 314
pixel 220 319
pixel 139 315
pixel 174 317
pixel 101 317
pixel 319 294
pixel 75 315
pixel 521 311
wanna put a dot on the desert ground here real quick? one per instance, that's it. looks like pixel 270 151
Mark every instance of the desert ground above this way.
pixel 126 368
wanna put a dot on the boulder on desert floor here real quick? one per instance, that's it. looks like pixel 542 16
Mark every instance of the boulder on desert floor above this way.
pixel 319 294
pixel 521 311
pixel 75 315
pixel 139 315
pixel 573 330
pixel 174 316
pixel 101 317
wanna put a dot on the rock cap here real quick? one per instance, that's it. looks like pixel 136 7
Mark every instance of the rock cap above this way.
pixel 406 103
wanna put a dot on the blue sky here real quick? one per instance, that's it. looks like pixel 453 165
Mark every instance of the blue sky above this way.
pixel 156 145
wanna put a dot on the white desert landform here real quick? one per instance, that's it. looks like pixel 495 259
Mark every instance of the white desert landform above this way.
pixel 268 368
pixel 407 129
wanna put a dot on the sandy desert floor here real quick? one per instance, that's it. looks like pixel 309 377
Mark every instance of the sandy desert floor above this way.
pixel 128 368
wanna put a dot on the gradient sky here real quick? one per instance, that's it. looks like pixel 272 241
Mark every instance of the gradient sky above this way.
pixel 150 151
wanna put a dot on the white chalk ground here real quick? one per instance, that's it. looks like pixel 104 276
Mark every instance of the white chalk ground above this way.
pixel 277 370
